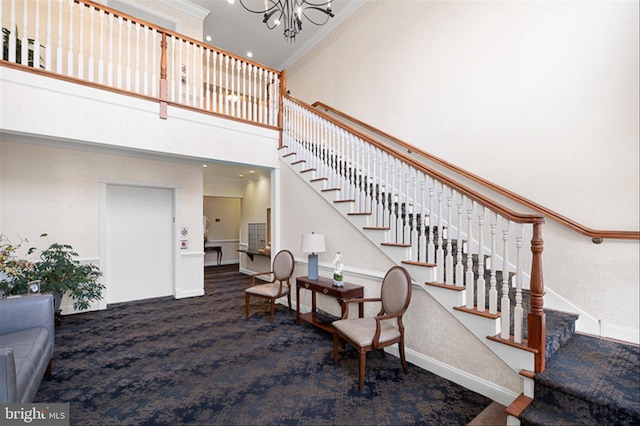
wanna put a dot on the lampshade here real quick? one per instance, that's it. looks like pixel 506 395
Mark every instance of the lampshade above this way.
pixel 312 243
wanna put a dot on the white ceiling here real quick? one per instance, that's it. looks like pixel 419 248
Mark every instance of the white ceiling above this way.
pixel 238 31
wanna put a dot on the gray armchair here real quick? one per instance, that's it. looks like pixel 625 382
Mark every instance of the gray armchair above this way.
pixel 26 346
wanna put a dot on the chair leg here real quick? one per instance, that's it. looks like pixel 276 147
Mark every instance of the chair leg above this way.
pixel 246 305
pixel 273 309
pixel 363 361
pixel 289 300
pixel 336 340
pixel 402 357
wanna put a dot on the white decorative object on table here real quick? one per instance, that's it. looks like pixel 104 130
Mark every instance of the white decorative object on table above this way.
pixel 337 272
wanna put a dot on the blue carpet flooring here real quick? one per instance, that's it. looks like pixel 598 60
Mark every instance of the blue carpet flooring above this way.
pixel 199 361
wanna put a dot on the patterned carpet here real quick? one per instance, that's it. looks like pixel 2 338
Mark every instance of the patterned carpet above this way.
pixel 588 381
pixel 199 361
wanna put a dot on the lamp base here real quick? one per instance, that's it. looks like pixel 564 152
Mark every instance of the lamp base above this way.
pixel 313 267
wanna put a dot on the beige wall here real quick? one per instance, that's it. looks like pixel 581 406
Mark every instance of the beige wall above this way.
pixel 49 189
pixel 480 83
pixel 224 227
pixel 255 202
pixel 539 97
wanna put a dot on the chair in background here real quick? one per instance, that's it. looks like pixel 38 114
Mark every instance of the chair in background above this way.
pixel 279 286
pixel 385 329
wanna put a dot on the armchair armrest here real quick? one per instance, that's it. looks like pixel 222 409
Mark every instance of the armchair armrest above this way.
pixel 253 276
pixel 360 300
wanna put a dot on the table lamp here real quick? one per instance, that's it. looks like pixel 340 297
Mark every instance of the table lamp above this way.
pixel 312 244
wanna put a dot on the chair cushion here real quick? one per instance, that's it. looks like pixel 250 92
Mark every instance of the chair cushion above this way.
pixel 362 330
pixel 267 290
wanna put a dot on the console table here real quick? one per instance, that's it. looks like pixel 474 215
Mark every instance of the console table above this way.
pixel 217 249
pixel 325 286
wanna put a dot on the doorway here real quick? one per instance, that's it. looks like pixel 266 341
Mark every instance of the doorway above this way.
pixel 139 242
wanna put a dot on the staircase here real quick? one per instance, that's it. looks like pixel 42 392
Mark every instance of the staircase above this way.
pixel 432 245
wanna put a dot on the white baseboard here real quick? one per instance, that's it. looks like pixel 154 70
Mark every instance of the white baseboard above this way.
pixel 182 294
pixel 619 332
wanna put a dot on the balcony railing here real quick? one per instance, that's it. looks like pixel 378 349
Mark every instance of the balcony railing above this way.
pixel 90 43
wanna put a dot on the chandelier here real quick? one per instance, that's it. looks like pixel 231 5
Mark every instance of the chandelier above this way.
pixel 290 13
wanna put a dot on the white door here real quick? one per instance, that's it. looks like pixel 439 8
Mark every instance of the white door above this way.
pixel 139 243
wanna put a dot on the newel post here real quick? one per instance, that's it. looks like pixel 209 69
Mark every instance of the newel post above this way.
pixel 164 84
pixel 536 319
pixel 283 92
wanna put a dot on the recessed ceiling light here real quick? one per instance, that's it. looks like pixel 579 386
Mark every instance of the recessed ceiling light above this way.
pixel 208 38
pixel 231 1
pixel 252 171
pixel 249 54
pixel 204 165
pixel 241 175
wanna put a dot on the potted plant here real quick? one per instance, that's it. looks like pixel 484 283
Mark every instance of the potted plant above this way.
pixel 31 46
pixel 58 272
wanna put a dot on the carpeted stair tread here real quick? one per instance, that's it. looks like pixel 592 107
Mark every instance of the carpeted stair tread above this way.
pixel 588 381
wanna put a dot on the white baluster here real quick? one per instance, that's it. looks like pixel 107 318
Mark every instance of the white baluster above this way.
pixel 393 223
pixel 431 247
pixel 408 210
pixel 91 43
pixel 136 79
pixel 235 92
pixel 24 60
pixel 154 67
pixel 226 85
pixel 181 79
pixel 101 50
pixel 198 65
pixel 128 67
pixel 505 314
pixel 518 312
pixel 59 48
pixel 36 40
pixel 110 64
pixel 12 33
pixel 440 249
pixel 414 234
pixel 214 89
pixel 81 46
pixel 448 269
pixel 480 282
pixel 220 88
pixel 188 73
pixel 422 245
pixel 493 291
pixel 469 273
pixel 119 66
pixel 208 81
pixel 70 49
pixel 244 90
pixel 48 48
pixel 459 277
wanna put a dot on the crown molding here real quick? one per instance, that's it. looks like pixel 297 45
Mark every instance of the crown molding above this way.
pixel 187 7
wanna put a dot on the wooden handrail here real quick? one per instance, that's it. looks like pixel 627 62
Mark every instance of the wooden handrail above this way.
pixel 596 235
pixel 474 195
